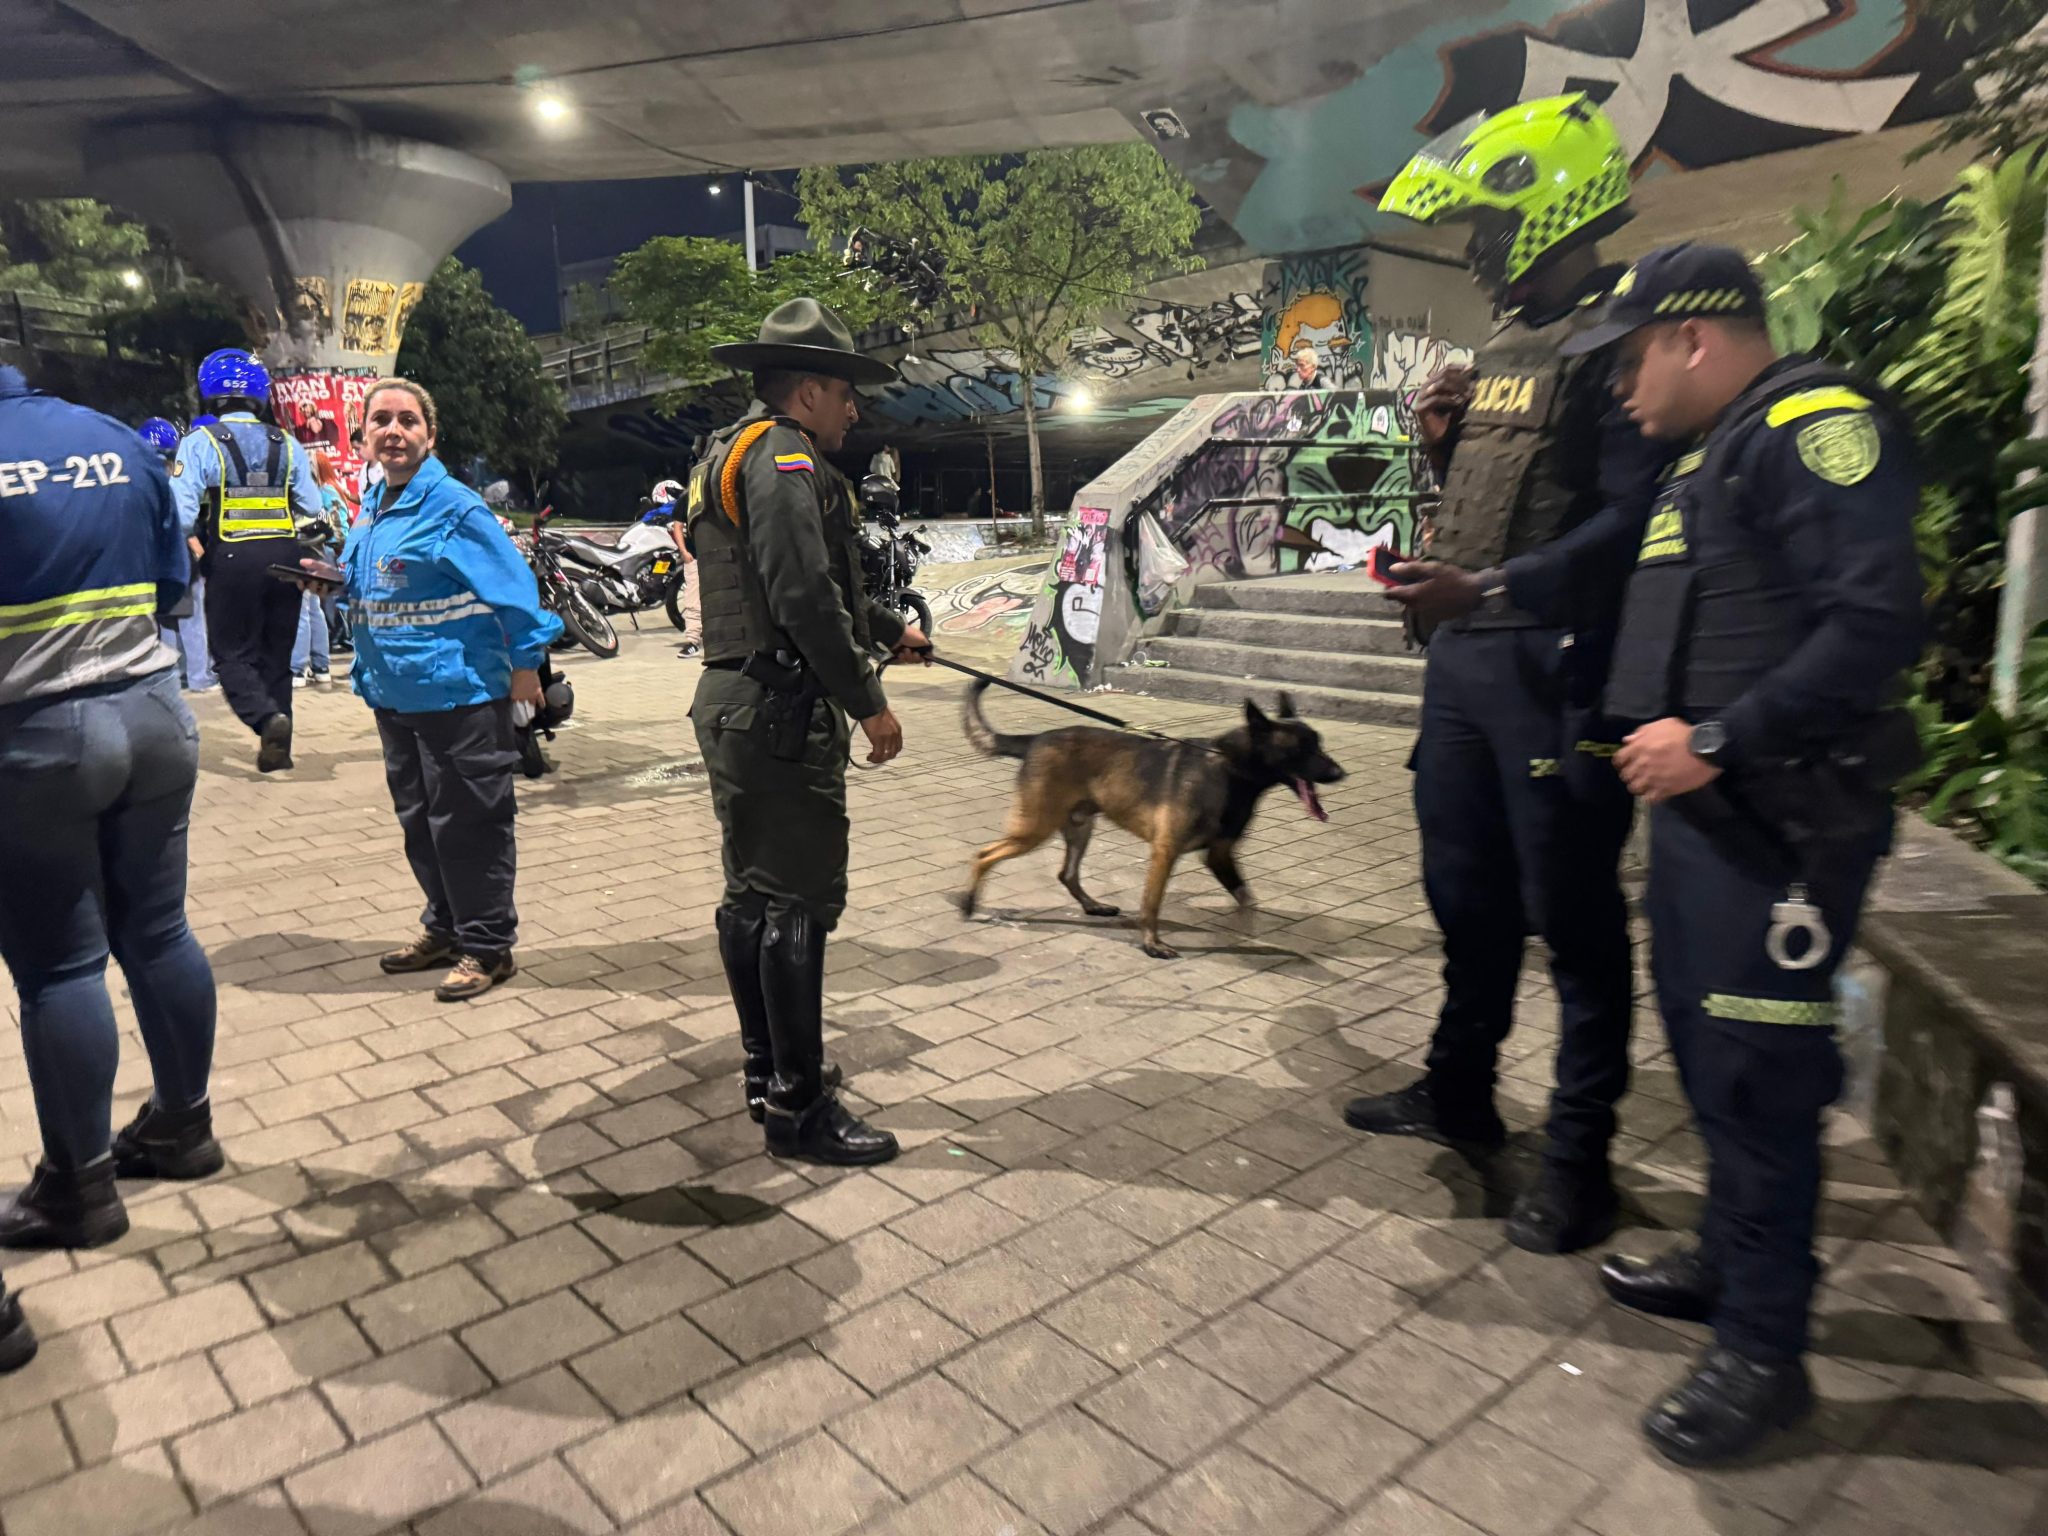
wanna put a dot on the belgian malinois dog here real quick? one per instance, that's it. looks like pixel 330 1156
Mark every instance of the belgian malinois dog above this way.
pixel 1176 796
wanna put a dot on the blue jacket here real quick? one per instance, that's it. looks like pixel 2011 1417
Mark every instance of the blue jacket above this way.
pixel 442 604
pixel 90 549
pixel 199 464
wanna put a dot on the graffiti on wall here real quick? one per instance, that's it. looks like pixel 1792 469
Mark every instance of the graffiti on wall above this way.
pixel 1317 333
pixel 1252 484
pixel 1404 355
pixel 988 601
pixel 1689 83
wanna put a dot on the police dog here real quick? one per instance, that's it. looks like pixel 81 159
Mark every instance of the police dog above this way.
pixel 1176 795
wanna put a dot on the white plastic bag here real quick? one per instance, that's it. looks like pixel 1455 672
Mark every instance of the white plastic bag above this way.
pixel 1160 566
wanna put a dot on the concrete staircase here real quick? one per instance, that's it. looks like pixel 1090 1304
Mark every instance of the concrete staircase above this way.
pixel 1332 641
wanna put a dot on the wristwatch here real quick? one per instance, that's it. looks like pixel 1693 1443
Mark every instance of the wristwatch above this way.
pixel 1709 740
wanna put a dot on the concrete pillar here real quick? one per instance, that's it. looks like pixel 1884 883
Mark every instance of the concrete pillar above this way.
pixel 327 230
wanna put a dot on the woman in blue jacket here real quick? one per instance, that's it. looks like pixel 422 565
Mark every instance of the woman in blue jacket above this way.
pixel 449 635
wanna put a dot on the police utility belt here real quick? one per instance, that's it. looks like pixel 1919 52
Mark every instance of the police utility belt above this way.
pixel 792 696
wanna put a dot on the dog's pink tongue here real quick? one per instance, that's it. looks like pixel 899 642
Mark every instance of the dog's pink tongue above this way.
pixel 1309 802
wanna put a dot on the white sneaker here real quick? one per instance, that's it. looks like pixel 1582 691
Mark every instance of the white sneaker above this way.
pixel 322 679
pixel 300 681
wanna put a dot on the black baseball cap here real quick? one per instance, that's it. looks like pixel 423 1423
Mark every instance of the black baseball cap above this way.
pixel 1675 282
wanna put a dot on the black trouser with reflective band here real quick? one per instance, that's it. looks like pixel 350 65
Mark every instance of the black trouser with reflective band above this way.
pixel 251 620
pixel 451 775
pixel 1522 833
pixel 1755 1046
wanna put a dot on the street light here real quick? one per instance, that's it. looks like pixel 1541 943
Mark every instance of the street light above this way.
pixel 131 279
pixel 1079 400
pixel 550 108
pixel 716 189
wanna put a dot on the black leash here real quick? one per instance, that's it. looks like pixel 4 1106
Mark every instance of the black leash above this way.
pixel 925 653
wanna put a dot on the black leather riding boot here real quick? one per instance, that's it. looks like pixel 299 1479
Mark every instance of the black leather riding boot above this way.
pixel 739 946
pixel 17 1339
pixel 804 1119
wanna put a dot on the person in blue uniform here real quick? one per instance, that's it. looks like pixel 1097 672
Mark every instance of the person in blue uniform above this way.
pixel 184 631
pixel 241 486
pixel 1523 820
pixel 98 756
pixel 1775 602
pixel 450 635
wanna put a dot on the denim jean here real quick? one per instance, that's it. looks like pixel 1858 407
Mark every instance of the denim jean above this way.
pixel 188 639
pixel 310 645
pixel 97 786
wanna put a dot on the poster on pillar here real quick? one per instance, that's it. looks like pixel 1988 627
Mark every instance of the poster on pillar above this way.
pixel 322 409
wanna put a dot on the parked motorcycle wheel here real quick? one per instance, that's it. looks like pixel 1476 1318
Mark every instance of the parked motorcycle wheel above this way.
pixel 916 609
pixel 672 600
pixel 566 640
pixel 590 627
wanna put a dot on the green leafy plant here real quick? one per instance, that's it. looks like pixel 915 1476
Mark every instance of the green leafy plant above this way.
pixel 1988 775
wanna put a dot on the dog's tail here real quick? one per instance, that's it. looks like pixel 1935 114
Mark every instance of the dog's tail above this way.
pixel 984 738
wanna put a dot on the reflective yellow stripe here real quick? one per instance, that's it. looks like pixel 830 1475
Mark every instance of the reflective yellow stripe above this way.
pixel 275 503
pixel 1807 401
pixel 77 608
pixel 1768 1010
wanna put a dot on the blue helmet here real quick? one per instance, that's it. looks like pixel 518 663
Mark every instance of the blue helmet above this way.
pixel 159 434
pixel 204 419
pixel 233 374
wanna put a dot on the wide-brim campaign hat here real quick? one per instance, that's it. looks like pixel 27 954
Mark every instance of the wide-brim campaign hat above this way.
pixel 806 337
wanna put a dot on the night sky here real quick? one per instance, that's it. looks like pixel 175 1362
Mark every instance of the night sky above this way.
pixel 591 219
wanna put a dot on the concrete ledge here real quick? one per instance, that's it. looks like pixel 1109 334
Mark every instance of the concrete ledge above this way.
pixel 1962 1091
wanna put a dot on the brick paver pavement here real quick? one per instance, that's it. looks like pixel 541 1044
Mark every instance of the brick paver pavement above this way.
pixel 519 1268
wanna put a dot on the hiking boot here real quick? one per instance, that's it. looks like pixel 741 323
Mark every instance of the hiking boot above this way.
pixel 17 1339
pixel 1568 1208
pixel 1729 1405
pixel 1679 1284
pixel 473 976
pixel 66 1208
pixel 1415 1111
pixel 275 744
pixel 168 1144
pixel 425 953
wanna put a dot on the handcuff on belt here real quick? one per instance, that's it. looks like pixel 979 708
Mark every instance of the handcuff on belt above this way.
pixel 1791 917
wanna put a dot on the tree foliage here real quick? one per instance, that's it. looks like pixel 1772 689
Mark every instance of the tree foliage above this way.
pixel 2006 73
pixel 72 246
pixel 1036 245
pixel 485 375
pixel 695 293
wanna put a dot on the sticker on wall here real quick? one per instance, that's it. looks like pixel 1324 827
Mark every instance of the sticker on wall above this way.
pixel 408 301
pixel 307 309
pixel 366 319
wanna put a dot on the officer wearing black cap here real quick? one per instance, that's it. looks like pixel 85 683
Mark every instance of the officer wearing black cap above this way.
pixel 788 660
pixel 1775 601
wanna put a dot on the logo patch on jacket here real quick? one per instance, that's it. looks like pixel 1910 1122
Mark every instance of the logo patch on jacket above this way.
pixel 1842 450
pixel 1664 539
pixel 794 463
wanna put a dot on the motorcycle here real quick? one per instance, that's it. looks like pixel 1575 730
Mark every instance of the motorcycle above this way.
pixel 641 571
pixel 889 564
pixel 583 621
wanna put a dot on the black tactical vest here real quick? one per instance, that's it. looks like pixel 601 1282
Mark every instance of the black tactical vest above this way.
pixel 1509 488
pixel 736 617
pixel 248 504
pixel 1711 607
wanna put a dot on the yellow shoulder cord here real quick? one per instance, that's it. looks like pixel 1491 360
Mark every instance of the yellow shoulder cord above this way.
pixel 729 477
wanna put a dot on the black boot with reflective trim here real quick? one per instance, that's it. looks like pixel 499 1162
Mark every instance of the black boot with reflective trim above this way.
pixel 17 1339
pixel 66 1208
pixel 1730 1405
pixel 803 1118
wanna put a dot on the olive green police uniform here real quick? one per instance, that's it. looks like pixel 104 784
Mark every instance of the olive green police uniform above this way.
pixel 786 581
pixel 788 636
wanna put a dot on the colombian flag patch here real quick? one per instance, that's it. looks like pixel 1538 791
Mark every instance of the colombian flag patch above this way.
pixel 792 463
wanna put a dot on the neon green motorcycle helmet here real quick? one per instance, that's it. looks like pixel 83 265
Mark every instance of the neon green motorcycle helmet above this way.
pixel 1531 180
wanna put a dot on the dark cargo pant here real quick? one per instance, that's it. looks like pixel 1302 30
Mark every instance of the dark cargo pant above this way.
pixel 785 826
pixel 1522 834
pixel 252 619
pixel 450 772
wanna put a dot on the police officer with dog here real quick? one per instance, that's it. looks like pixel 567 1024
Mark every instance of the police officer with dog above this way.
pixel 1522 817
pixel 241 487
pixel 1775 602
pixel 788 638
